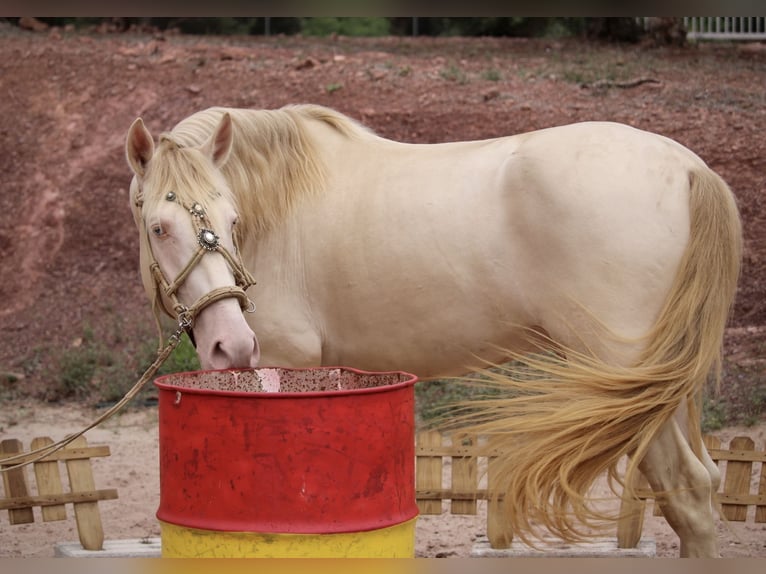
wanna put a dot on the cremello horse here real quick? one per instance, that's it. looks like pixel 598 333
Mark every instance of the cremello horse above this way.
pixel 617 248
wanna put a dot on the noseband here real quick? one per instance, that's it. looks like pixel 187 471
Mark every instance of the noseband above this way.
pixel 209 242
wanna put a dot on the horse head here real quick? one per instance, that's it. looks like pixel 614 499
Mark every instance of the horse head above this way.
pixel 190 264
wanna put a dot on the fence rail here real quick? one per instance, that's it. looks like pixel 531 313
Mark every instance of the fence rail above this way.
pixel 466 463
pixel 725 27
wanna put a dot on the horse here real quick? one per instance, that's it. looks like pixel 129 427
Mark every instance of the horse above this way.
pixel 604 256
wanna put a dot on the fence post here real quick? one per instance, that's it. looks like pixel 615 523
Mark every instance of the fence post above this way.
pixel 86 514
pixel 15 483
pixel 48 480
pixel 499 533
pixel 428 472
pixel 738 479
pixel 464 475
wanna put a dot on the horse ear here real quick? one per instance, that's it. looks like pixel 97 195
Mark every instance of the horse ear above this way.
pixel 218 146
pixel 139 147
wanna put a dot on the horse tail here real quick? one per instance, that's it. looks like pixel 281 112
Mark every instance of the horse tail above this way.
pixel 572 417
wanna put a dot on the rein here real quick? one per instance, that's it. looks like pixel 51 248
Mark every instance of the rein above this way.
pixel 209 242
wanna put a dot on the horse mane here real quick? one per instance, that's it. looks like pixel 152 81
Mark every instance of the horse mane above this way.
pixel 274 162
pixel 181 169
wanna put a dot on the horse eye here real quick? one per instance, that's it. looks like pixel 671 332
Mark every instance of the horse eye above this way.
pixel 157 231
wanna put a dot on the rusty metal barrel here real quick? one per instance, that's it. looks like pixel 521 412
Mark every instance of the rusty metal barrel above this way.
pixel 277 462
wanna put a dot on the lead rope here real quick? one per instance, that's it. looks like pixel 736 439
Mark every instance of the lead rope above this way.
pixel 36 455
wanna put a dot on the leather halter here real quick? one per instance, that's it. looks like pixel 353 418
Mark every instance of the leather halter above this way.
pixel 209 242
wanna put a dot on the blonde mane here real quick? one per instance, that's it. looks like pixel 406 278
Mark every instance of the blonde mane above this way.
pixel 273 162
pixel 183 171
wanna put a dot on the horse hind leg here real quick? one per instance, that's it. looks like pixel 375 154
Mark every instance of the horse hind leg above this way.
pixel 715 476
pixel 683 487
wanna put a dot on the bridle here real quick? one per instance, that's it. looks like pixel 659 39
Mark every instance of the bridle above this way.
pixel 209 242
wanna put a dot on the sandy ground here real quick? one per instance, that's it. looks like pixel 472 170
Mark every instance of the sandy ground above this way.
pixel 133 470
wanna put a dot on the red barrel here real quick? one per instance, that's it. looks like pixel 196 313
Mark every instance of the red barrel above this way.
pixel 291 451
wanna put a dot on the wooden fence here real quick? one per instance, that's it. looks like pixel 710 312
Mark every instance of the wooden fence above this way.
pixel 467 463
pixel 725 27
pixel 51 495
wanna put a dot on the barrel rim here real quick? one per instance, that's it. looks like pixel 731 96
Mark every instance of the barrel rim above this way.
pixel 409 380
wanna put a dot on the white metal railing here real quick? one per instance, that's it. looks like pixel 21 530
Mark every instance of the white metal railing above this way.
pixel 725 27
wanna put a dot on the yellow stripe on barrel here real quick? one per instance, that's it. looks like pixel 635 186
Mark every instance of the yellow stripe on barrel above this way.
pixel 396 541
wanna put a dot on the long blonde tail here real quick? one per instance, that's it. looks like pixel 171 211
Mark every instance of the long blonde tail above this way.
pixel 571 418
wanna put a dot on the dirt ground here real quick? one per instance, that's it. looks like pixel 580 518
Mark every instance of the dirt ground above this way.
pixel 133 469
pixel 69 259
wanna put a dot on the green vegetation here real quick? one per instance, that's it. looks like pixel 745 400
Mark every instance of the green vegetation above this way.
pixel 437 399
pixel 101 368
pixel 454 74
pixel 77 368
pixel 345 26
pixel 491 75
pixel 98 371
pixel 624 28
pixel 713 415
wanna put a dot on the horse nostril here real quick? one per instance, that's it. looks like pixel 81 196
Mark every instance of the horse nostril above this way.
pixel 218 356
pixel 233 354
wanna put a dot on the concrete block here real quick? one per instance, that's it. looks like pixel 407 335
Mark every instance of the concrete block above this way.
pixel 557 548
pixel 127 548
